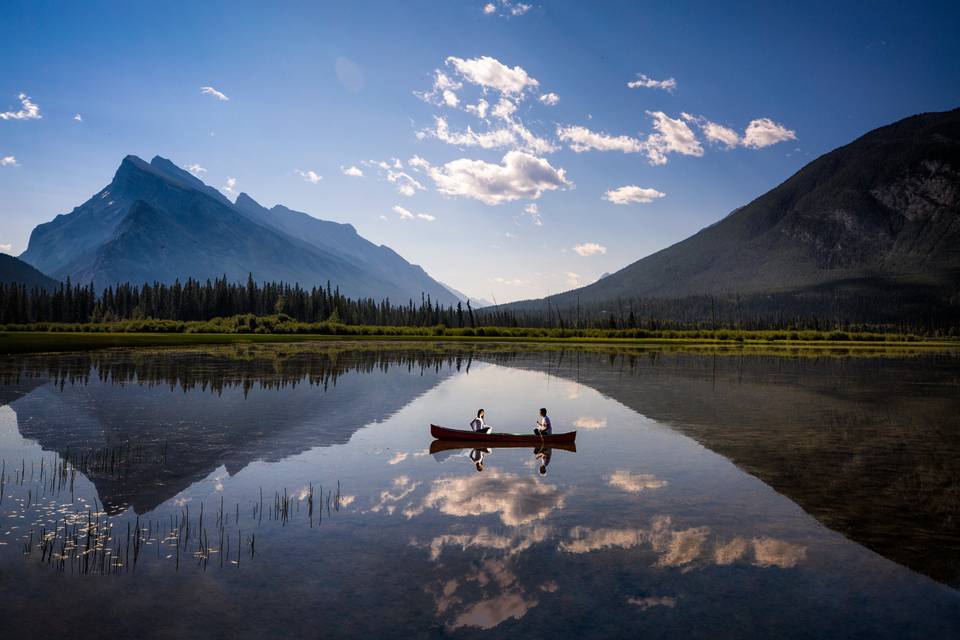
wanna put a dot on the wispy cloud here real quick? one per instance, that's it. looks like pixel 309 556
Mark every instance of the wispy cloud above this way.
pixel 573 280
pixel 506 8
pixel 510 282
pixel 403 213
pixel 550 99
pixel 9 161
pixel 533 211
pixel 644 81
pixel 231 186
pixel 353 171
pixel 310 176
pixel 581 139
pixel 196 169
pixel 77 117
pixel 6 248
pixel 589 249
pixel 210 91
pixel 426 216
pixel 632 194
pixel 28 110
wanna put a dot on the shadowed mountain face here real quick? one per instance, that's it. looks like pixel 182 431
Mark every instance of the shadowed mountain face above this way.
pixel 182 415
pixel 881 213
pixel 156 222
pixel 16 271
pixel 869 447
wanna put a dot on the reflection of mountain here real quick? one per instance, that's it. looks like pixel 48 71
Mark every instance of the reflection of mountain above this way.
pixel 219 411
pixel 869 448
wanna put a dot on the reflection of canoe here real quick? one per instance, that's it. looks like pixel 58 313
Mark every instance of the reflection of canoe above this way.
pixel 443 433
pixel 450 445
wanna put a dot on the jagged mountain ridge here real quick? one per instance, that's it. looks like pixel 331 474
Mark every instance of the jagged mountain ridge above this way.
pixel 157 222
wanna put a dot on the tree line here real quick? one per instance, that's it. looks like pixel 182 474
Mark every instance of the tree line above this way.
pixel 193 300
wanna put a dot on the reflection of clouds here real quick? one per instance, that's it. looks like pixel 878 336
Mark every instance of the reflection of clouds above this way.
pixel 676 548
pixel 684 547
pixel 653 601
pixel 398 457
pixel 730 552
pixel 588 422
pixel 520 540
pixel 573 391
pixel 585 539
pixel 487 614
pixel 403 487
pixel 635 482
pixel 549 586
pixel 770 552
pixel 519 501
pixel 346 501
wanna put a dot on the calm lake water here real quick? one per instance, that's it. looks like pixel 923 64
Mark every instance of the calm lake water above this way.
pixel 291 491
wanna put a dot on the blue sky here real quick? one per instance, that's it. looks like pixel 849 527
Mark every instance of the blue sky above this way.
pixel 324 87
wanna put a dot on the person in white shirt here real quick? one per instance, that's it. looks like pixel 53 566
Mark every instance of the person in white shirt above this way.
pixel 543 424
pixel 478 425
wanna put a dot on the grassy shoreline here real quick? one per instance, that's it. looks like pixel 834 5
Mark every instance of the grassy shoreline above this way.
pixel 22 342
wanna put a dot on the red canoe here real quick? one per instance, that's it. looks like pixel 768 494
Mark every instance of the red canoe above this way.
pixel 443 433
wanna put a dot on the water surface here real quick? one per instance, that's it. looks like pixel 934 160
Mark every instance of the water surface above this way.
pixel 290 490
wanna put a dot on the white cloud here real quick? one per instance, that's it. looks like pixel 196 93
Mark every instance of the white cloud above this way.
pixel 490 73
pixel 489 140
pixel 196 169
pixel 418 164
pixel 589 249
pixel 383 217
pixel 310 176
pixel 210 91
pixel 504 110
pixel 672 136
pixel 407 185
pixel 635 482
pixel 631 194
pixel 581 139
pixel 533 211
pixel 398 457
pixel 450 98
pixel 28 110
pixel 507 8
pixel 646 82
pixel 353 171
pixel 9 161
pixel 231 186
pixel 78 117
pixel 764 132
pixel 479 109
pixel 713 132
pixel 6 248
pixel 518 176
pixel 550 99
pixel 403 213
pixel 573 279
pixel 426 216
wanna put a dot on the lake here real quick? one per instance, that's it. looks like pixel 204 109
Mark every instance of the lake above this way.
pixel 291 490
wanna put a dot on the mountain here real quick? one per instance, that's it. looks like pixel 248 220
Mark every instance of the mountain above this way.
pixel 878 214
pixel 13 270
pixel 157 222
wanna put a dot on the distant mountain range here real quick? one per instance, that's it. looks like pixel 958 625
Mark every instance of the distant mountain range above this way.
pixel 157 222
pixel 14 270
pixel 879 214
